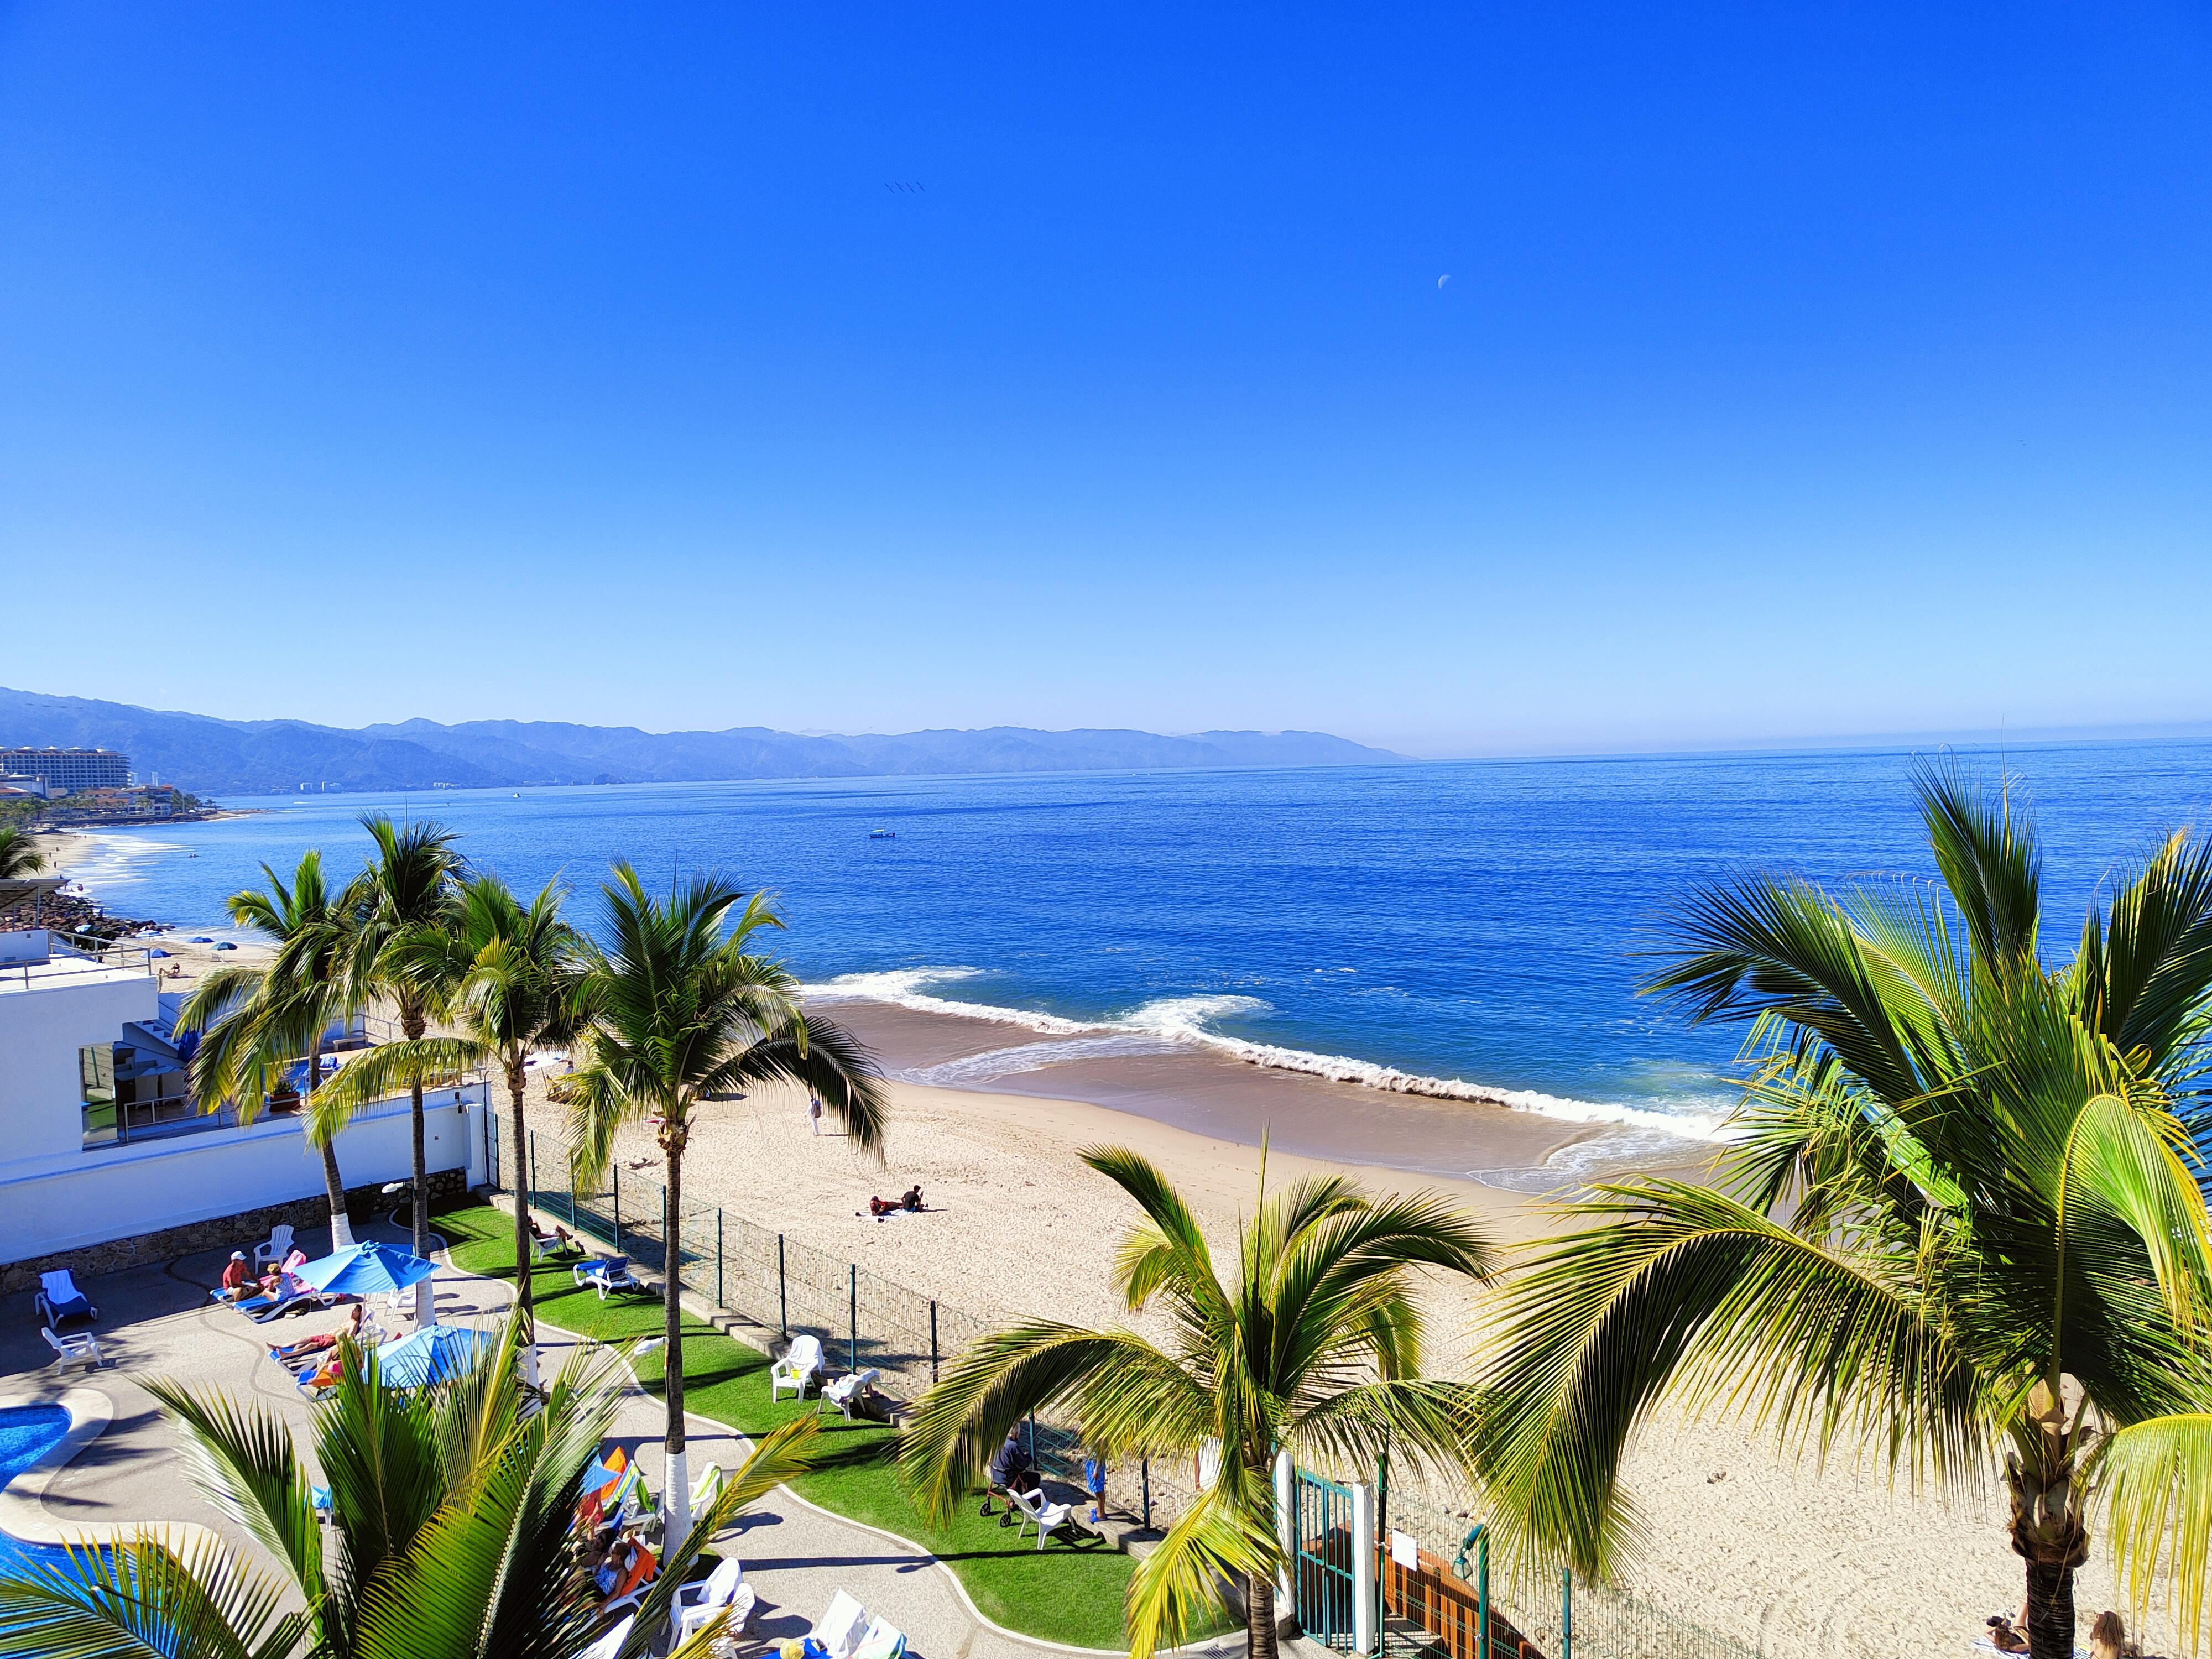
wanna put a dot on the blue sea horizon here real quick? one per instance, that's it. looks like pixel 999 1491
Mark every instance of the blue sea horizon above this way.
pixel 1475 928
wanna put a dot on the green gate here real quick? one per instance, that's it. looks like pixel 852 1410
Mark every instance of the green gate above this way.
pixel 1321 1564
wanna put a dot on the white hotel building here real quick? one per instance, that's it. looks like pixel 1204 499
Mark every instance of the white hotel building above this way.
pixel 103 1164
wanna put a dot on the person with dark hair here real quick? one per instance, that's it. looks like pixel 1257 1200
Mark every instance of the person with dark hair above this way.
pixel 1010 1473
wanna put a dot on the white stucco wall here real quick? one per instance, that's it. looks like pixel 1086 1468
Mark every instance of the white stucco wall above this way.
pixel 93 1197
pixel 44 1021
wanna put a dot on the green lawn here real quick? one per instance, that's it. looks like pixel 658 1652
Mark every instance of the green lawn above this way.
pixel 1066 1593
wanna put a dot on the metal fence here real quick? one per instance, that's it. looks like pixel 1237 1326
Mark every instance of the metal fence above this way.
pixel 786 1289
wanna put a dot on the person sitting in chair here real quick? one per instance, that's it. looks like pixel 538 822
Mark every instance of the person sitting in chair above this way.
pixel 1010 1473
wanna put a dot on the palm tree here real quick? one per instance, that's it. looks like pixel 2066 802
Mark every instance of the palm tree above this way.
pixel 1312 1347
pixel 1958 1225
pixel 516 972
pixel 19 854
pixel 677 1009
pixel 257 1022
pixel 403 895
pixel 453 1514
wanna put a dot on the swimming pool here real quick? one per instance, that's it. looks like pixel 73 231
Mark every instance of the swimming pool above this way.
pixel 27 1433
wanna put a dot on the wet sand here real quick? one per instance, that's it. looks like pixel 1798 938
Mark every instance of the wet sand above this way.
pixel 1225 1099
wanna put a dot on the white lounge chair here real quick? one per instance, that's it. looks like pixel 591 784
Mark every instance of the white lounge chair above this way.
pixel 881 1642
pixel 1035 1510
pixel 725 1587
pixel 78 1345
pixel 801 1362
pixel 611 1644
pixel 278 1247
pixel 707 1488
pixel 847 1391
pixel 839 1629
pixel 58 1298
pixel 607 1273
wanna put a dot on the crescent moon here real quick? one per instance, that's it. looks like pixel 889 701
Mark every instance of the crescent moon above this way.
pixel 1441 280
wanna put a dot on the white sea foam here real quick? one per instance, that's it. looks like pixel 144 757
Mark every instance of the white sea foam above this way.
pixel 107 862
pixel 1173 1022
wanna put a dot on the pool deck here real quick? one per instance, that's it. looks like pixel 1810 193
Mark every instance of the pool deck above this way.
pixel 156 1321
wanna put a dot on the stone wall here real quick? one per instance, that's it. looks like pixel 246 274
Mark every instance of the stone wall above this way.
pixel 310 1218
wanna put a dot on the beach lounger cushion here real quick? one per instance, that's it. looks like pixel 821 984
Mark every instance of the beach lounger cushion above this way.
pixel 58 1298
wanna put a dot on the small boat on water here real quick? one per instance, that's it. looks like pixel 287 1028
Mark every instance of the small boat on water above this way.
pixel 883 834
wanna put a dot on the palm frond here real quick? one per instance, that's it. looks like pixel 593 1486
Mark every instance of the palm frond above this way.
pixel 2155 1479
pixel 145 1596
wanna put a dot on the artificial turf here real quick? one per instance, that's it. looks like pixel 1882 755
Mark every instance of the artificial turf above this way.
pixel 1065 1593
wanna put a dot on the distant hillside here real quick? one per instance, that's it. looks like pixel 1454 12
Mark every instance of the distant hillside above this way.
pixel 216 757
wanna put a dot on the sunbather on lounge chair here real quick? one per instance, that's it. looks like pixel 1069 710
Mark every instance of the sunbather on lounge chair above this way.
pixel 311 1345
pixel 625 1566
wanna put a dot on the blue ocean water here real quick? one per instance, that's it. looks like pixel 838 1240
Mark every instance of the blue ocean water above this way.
pixel 1471 922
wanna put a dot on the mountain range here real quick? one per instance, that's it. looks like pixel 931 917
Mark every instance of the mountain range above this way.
pixel 212 757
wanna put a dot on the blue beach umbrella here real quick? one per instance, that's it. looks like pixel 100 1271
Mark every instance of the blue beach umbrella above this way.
pixel 432 1354
pixel 364 1269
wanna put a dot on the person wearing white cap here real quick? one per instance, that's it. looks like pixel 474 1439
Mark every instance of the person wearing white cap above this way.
pixel 237 1276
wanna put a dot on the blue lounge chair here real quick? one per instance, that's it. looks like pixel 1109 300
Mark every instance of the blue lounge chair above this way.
pixel 604 1274
pixel 58 1298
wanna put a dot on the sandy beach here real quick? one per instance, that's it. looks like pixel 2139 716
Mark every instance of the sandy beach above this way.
pixel 1799 1559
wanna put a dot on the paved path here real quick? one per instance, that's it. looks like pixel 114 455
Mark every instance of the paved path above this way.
pixel 157 1322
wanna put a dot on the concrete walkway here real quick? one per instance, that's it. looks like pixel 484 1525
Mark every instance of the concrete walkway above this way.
pixel 157 1322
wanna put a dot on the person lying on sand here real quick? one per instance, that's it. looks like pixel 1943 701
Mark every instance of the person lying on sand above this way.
pixel 2006 1636
pixel 910 1201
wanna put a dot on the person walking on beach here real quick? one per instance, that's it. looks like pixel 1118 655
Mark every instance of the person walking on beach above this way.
pixel 814 1112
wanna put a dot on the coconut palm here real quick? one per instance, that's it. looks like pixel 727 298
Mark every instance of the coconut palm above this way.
pixel 452 1530
pixel 676 1009
pixel 19 854
pixel 257 1021
pixel 1958 1224
pixel 1312 1347
pixel 402 894
pixel 516 971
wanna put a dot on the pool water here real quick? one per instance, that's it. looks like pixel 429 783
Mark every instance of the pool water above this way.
pixel 27 1433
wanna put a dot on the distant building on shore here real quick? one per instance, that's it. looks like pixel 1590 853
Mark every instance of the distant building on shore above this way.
pixel 65 771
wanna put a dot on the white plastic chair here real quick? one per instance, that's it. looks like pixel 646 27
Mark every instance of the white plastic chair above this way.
pixel 801 1362
pixel 725 1587
pixel 609 1645
pixel 847 1391
pixel 1046 1518
pixel 58 1298
pixel 882 1642
pixel 839 1629
pixel 707 1488
pixel 79 1346
pixel 278 1247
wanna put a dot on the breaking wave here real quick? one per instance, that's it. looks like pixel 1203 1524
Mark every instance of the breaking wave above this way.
pixel 1172 1022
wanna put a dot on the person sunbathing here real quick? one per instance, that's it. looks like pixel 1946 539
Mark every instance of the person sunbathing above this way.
pixel 2006 1636
pixel 911 1200
pixel 307 1345
pixel 626 1563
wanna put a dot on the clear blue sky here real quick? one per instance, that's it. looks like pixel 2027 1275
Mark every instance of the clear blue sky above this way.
pixel 1802 370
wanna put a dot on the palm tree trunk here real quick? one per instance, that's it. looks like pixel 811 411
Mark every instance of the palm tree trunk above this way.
pixel 333 1183
pixel 1260 1614
pixel 2050 1611
pixel 524 1264
pixel 412 1024
pixel 678 1498
pixel 2048 1533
